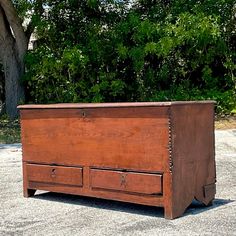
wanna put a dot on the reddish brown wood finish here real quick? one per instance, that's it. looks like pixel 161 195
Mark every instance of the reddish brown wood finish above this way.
pixel 126 181
pixel 159 154
pixel 114 138
pixel 192 155
pixel 55 175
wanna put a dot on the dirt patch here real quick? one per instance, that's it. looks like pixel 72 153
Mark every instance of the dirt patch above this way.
pixel 228 122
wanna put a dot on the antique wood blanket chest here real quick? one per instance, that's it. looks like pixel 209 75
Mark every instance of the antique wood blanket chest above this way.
pixel 158 154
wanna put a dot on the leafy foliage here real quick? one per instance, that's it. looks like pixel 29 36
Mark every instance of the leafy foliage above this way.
pixel 9 130
pixel 100 51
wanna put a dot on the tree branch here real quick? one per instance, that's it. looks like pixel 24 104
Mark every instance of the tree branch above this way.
pixel 2 28
pixel 16 26
pixel 2 32
pixel 2 25
pixel 5 32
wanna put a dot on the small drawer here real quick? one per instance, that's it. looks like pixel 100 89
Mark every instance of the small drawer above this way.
pixel 55 174
pixel 132 182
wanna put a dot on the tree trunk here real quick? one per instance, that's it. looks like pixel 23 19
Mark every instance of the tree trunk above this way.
pixel 13 46
pixel 14 90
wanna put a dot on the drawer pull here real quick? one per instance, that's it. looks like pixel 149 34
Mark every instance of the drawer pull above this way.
pixel 53 174
pixel 123 180
pixel 84 114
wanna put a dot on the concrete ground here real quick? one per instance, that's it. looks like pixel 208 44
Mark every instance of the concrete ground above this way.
pixel 60 214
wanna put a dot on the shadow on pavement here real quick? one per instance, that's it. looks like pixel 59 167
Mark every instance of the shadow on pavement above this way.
pixel 102 204
pixel 194 208
pixel 197 207
pixel 234 132
pixel 9 146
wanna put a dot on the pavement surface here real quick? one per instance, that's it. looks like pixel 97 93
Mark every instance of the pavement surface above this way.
pixel 60 214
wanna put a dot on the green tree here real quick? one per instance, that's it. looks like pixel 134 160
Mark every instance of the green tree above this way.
pixel 100 51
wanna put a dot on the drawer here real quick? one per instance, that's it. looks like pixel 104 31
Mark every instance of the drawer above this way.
pixel 133 182
pixel 55 174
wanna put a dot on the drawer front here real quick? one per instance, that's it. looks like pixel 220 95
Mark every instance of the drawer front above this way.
pixel 132 182
pixel 55 175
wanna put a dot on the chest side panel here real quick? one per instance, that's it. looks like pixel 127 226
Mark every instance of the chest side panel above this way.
pixel 193 154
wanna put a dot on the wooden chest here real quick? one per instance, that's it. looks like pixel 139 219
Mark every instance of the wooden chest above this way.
pixel 158 154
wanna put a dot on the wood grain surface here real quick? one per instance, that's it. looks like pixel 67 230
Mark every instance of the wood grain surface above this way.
pixel 123 138
pixel 109 105
pixel 132 182
pixel 55 175
pixel 158 154
pixel 193 156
